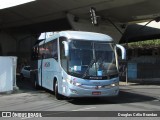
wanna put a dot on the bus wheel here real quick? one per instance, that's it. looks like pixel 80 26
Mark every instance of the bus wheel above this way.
pixel 57 95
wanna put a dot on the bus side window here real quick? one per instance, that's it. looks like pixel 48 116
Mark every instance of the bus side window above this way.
pixel 55 50
pixel 50 50
pixel 41 52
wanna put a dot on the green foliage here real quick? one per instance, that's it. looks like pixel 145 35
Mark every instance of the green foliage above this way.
pixel 148 43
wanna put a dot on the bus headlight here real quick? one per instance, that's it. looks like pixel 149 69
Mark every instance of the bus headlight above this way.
pixel 73 82
pixel 111 85
pixel 115 84
pixel 76 84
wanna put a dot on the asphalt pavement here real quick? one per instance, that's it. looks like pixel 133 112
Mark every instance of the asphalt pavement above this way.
pixel 133 96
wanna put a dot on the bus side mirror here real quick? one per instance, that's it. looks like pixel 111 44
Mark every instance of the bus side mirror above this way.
pixel 123 51
pixel 66 48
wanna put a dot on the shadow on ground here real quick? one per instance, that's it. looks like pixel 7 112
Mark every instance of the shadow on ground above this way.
pixel 25 84
pixel 126 96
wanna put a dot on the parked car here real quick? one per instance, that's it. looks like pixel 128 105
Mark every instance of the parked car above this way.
pixel 25 72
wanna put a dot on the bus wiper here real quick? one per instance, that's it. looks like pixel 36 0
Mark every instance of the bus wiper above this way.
pixel 89 66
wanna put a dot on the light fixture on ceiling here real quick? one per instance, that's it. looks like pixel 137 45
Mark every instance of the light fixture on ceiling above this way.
pixel 11 3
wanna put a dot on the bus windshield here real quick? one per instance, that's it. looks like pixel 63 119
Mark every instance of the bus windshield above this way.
pixel 90 58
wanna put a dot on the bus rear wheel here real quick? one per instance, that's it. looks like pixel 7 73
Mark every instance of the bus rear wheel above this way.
pixel 57 95
pixel 36 85
pixel 35 82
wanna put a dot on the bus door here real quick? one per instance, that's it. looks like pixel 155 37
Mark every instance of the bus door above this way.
pixel 47 74
pixel 40 72
pixel 43 68
pixel 48 64
pixel 40 65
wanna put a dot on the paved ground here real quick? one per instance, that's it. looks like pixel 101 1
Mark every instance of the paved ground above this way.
pixel 132 97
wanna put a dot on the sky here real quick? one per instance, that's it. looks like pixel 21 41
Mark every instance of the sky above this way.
pixel 152 24
pixel 10 3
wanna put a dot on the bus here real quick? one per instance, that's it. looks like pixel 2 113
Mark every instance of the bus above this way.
pixel 77 64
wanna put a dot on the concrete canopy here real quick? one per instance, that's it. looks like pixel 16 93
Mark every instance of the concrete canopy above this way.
pixel 51 15
pixel 47 10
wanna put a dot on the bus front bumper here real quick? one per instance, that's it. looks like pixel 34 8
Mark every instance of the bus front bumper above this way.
pixel 81 92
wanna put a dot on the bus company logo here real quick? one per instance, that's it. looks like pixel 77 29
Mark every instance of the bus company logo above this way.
pixel 47 64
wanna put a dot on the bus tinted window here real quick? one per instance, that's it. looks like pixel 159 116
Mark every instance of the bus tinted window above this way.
pixel 49 50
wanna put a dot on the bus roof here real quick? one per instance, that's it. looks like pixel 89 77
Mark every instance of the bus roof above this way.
pixel 79 35
pixel 85 35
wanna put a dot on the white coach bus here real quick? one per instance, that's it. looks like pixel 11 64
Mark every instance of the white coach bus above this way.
pixel 77 64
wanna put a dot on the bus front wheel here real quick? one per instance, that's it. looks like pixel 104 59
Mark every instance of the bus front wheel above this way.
pixel 57 95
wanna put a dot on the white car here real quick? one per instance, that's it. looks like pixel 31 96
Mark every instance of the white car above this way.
pixel 25 72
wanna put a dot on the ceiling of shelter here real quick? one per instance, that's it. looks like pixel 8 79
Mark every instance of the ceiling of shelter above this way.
pixel 47 10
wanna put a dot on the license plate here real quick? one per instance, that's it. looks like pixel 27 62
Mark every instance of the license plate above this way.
pixel 96 93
